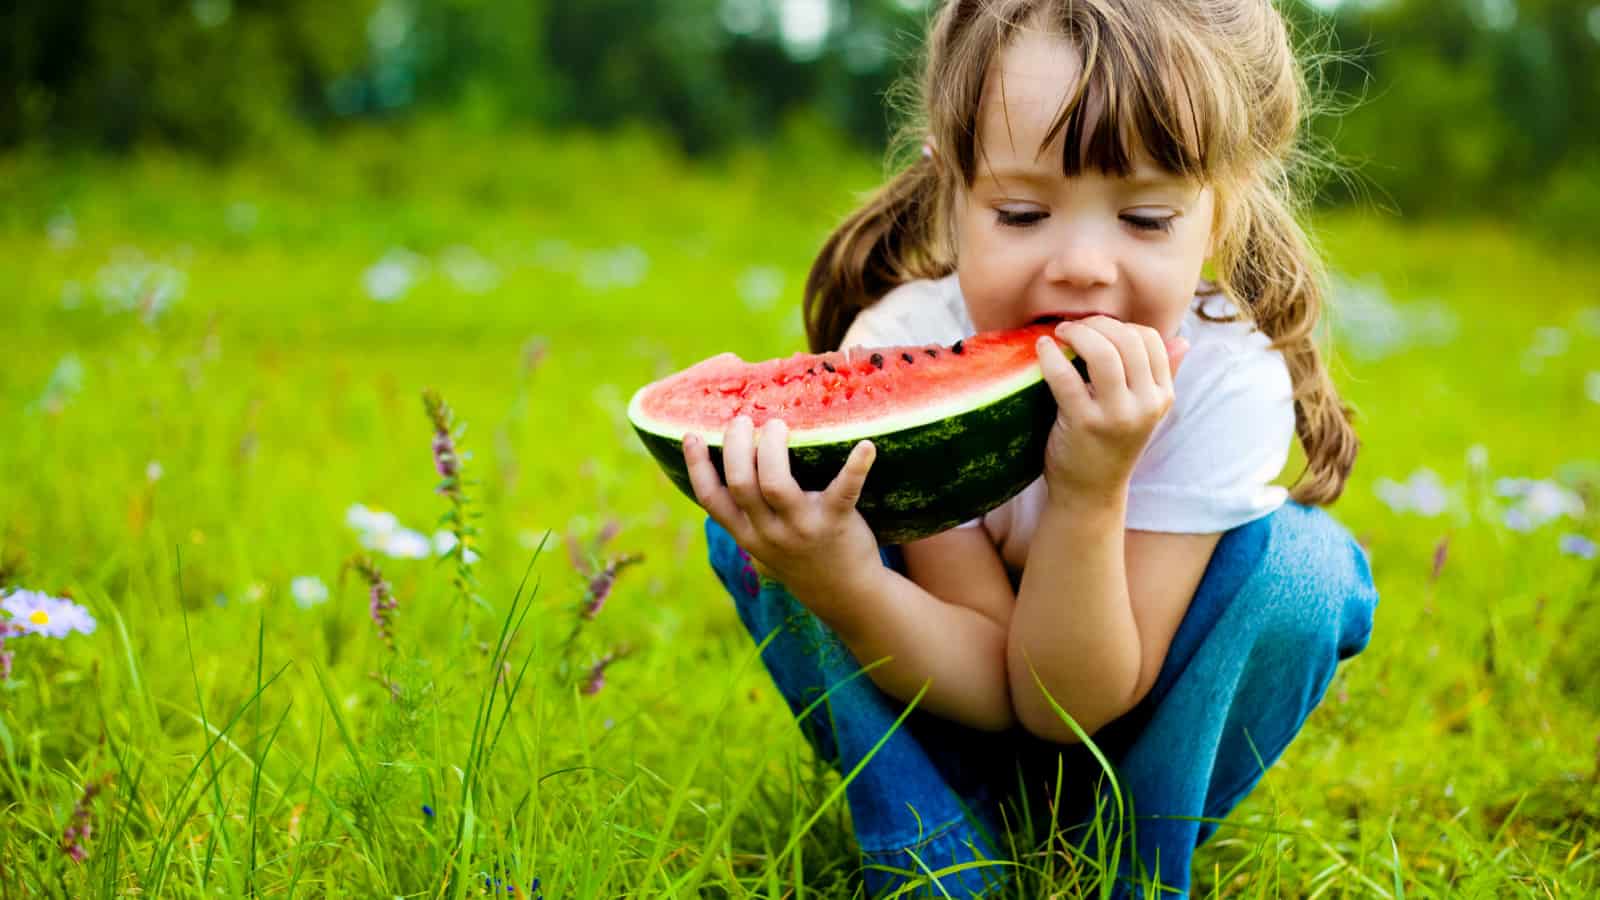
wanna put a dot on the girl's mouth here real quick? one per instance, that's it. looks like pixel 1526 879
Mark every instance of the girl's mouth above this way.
pixel 1069 317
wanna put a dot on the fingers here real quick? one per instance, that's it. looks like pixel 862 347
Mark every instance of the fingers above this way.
pixel 708 489
pixel 1155 350
pixel 1130 348
pixel 739 466
pixel 1106 372
pixel 778 487
pixel 845 489
pixel 1066 384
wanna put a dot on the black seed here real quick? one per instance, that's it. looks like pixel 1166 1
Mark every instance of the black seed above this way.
pixel 877 360
pixel 829 367
pixel 812 370
pixel 956 348
pixel 907 357
pixel 932 351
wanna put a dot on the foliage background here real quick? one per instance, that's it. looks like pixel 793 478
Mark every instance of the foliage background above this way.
pixel 238 239
pixel 1481 107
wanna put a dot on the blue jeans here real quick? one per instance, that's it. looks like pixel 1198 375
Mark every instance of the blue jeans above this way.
pixel 1283 600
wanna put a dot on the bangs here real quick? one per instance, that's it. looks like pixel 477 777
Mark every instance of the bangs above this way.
pixel 1147 92
pixel 1138 97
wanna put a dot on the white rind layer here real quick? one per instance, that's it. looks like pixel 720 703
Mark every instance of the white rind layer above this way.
pixel 924 414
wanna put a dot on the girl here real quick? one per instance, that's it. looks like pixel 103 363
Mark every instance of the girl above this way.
pixel 1154 590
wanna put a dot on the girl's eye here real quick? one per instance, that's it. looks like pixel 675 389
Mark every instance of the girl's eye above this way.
pixel 1148 223
pixel 1018 218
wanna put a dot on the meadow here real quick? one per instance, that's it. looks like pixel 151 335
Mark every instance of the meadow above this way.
pixel 299 684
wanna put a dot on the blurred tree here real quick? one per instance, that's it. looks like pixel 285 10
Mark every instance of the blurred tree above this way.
pixel 1451 105
pixel 210 75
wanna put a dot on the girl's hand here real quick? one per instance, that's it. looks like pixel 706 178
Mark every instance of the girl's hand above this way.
pixel 809 540
pixel 1102 427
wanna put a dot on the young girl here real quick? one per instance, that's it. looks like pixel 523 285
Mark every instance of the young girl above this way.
pixel 1154 590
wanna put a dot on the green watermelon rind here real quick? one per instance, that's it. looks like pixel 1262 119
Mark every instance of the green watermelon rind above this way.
pixel 956 461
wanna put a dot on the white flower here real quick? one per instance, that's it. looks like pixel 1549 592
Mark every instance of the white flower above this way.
pixel 391 277
pixel 403 543
pixel 1478 458
pixel 1422 493
pixel 153 471
pixel 1537 502
pixel 33 612
pixel 1577 545
pixel 308 591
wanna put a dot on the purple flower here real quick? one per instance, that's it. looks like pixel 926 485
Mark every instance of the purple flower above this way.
pixel 597 673
pixel 5 655
pixel 601 584
pixel 33 612
pixel 381 602
pixel 80 825
pixel 1579 546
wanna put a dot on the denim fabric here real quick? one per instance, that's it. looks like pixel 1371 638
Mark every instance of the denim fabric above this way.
pixel 1283 600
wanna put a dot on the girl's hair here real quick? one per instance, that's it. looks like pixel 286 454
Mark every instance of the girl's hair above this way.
pixel 1209 89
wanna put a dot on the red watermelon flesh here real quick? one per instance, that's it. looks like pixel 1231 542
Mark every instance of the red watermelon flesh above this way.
pixel 812 391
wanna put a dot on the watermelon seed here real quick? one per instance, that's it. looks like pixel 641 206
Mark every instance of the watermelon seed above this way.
pixel 877 360
pixel 812 370
pixel 932 351
pixel 908 357
pixel 829 367
pixel 956 348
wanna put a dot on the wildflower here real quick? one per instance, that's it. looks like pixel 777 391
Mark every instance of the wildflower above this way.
pixel 80 825
pixel 308 591
pixel 35 613
pixel 427 810
pixel 1537 502
pixel 1422 493
pixel 1440 554
pixel 445 459
pixel 381 602
pixel 1478 458
pixel 601 583
pixel 6 656
pixel 1578 545
pixel 597 673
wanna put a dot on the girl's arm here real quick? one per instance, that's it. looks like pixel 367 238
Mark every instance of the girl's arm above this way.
pixel 817 544
pixel 1098 604
pixel 947 628
pixel 1096 612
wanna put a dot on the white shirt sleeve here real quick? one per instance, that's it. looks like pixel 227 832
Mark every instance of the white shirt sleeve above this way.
pixel 1210 464
pixel 917 312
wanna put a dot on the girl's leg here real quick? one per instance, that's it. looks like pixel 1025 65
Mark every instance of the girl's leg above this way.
pixel 1284 599
pixel 921 795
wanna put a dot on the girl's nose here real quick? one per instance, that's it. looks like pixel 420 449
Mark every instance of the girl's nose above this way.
pixel 1081 259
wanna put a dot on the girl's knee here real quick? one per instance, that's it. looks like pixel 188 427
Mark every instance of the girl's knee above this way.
pixel 1314 588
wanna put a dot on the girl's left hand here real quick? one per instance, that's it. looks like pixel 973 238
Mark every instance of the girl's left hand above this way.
pixel 1101 427
pixel 811 541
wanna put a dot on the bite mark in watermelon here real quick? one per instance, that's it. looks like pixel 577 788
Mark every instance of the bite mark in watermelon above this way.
pixel 959 429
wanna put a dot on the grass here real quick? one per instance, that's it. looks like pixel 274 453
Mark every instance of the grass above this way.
pixel 199 386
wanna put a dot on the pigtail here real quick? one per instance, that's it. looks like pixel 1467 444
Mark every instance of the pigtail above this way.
pixel 1271 267
pixel 890 240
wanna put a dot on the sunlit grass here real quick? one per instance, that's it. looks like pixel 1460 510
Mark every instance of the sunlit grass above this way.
pixel 199 384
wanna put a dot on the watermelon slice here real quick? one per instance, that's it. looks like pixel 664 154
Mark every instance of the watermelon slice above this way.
pixel 959 429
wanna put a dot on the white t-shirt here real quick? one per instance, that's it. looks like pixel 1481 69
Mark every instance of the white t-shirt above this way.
pixel 1210 461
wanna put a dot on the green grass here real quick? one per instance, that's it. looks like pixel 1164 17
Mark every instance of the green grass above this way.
pixel 256 746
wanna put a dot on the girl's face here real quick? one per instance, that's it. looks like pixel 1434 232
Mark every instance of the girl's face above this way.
pixel 1032 241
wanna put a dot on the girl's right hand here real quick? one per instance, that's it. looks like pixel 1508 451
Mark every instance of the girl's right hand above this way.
pixel 815 542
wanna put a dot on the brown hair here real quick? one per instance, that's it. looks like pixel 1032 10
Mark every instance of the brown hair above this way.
pixel 1225 107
